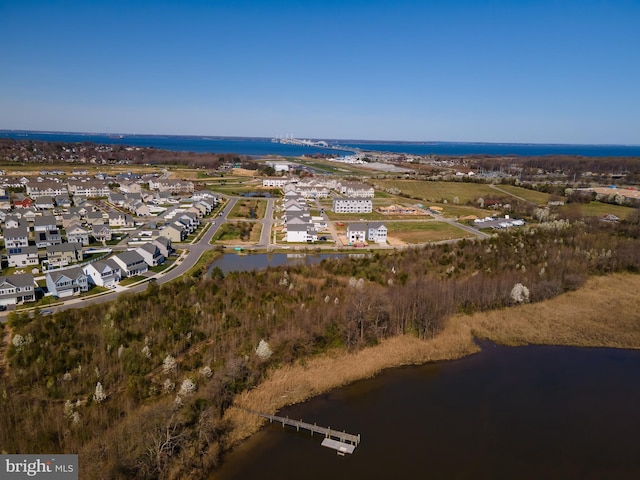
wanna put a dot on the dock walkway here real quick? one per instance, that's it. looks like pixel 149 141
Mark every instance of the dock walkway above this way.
pixel 336 439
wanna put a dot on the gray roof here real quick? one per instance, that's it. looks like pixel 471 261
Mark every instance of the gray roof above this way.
pixel 19 280
pixel 44 220
pixel 73 272
pixel 149 247
pixel 19 231
pixel 31 249
pixel 130 257
pixel 356 227
pixel 64 247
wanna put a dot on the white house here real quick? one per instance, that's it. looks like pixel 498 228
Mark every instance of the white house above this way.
pixel 297 233
pixel 356 232
pixel 377 232
pixel 17 289
pixel 67 283
pixel 104 273
pixel 76 233
pixel 131 263
pixel 23 256
pixel 16 237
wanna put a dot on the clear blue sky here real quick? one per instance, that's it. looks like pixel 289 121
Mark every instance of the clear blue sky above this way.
pixel 492 71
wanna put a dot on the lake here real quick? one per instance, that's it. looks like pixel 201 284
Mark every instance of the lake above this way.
pixel 506 413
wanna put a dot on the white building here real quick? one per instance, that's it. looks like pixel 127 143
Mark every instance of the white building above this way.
pixel 356 190
pixel 377 232
pixel 352 205
pixel 275 182
pixel 356 232
pixel 301 233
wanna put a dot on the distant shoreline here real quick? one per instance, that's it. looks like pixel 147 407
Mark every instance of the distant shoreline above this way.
pixel 262 146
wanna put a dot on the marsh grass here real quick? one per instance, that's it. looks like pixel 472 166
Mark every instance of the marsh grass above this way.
pixel 604 313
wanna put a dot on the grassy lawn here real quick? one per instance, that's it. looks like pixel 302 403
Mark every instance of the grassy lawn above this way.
pixel 130 280
pixel 163 267
pixel 233 232
pixel 438 192
pixel 22 269
pixel 421 232
pixel 596 209
pixel 354 217
pixel 249 208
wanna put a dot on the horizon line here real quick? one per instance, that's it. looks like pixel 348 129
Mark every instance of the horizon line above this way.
pixel 354 140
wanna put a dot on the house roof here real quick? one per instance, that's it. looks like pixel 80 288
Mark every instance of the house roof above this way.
pixel 19 231
pixel 356 227
pixel 31 249
pixel 18 280
pixel 107 265
pixel 129 257
pixel 149 248
pixel 64 247
pixel 70 273
pixel 376 225
pixel 44 220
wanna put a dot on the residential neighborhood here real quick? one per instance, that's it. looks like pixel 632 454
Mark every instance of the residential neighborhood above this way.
pixel 64 238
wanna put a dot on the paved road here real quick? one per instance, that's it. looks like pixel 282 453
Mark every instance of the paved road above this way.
pixel 267 224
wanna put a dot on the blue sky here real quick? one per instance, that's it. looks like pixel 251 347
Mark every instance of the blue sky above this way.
pixel 490 71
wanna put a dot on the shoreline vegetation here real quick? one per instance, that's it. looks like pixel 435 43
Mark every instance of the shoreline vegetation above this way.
pixel 602 313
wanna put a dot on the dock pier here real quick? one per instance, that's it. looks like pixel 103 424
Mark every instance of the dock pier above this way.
pixel 340 441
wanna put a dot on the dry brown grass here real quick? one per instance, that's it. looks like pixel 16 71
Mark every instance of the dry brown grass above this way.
pixel 604 313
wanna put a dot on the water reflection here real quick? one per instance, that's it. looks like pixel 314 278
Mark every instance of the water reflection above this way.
pixel 231 262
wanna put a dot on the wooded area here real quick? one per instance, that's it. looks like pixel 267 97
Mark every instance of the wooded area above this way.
pixel 138 386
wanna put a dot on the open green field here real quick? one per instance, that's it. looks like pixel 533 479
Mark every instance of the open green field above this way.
pixel 439 192
pixel 232 185
pixel 422 232
pixel 533 196
pixel 596 209
pixel 332 168
pixel 252 208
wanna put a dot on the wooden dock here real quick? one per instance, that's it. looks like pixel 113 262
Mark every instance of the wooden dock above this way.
pixel 341 441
